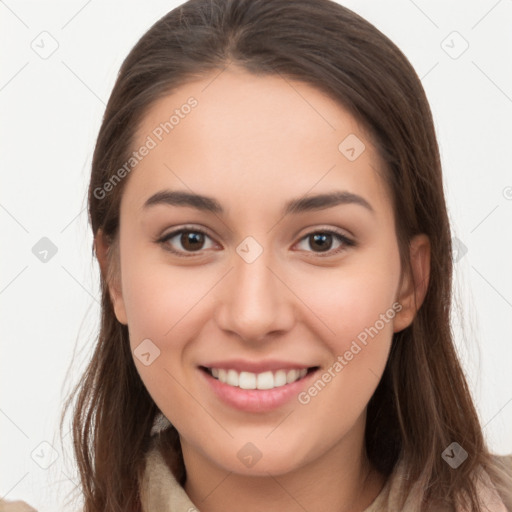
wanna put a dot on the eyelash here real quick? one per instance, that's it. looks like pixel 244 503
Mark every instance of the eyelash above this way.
pixel 347 242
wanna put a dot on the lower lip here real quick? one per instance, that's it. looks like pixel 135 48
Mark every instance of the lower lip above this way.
pixel 257 400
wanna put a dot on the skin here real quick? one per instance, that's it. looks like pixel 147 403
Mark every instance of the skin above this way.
pixel 253 143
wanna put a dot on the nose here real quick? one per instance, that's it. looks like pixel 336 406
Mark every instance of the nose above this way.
pixel 255 304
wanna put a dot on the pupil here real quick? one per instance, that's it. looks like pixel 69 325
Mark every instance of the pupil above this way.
pixel 192 241
pixel 323 241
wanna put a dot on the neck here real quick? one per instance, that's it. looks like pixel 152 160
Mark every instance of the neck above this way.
pixel 340 480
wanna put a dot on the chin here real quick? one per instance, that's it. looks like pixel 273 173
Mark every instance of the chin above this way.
pixel 250 461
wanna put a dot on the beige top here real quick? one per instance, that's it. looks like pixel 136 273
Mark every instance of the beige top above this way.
pixel 162 493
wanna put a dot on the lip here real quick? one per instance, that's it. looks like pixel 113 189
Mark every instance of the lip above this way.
pixel 257 400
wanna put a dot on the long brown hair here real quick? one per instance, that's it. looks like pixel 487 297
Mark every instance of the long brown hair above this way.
pixel 422 403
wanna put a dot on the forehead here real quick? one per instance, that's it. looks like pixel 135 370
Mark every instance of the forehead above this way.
pixel 252 136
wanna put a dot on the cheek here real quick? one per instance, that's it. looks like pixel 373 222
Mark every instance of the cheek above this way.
pixel 158 298
pixel 352 298
pixel 161 304
pixel 165 305
pixel 357 303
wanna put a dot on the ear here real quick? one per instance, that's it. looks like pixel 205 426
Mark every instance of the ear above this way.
pixel 108 258
pixel 414 284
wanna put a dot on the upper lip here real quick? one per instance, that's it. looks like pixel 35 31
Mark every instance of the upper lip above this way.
pixel 241 365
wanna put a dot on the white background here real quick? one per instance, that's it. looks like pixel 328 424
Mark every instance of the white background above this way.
pixel 51 111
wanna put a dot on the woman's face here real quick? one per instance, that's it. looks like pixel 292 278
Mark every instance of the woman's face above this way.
pixel 257 244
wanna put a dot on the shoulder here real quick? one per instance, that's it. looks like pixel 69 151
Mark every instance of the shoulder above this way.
pixel 15 506
pixel 497 497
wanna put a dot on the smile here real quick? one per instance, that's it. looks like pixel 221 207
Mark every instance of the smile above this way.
pixel 256 387
pixel 250 380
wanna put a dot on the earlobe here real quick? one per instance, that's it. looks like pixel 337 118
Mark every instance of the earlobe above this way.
pixel 415 284
pixel 110 273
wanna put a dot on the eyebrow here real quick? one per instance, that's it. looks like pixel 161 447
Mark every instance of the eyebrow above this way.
pixel 294 206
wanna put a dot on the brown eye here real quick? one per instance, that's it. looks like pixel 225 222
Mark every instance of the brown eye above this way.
pixel 328 242
pixel 320 241
pixel 192 240
pixel 185 242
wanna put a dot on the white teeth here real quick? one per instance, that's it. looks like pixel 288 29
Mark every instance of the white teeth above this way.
pixel 247 380
pixel 232 378
pixel 292 376
pixel 264 380
pixel 280 378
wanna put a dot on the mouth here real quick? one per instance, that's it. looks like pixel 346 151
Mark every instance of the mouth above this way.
pixel 266 380
pixel 256 386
